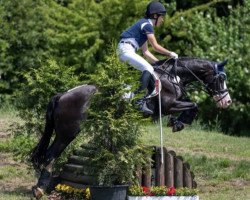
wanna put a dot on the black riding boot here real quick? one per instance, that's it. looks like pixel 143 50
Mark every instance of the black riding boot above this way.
pixel 141 103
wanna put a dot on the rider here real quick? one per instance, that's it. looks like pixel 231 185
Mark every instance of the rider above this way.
pixel 135 37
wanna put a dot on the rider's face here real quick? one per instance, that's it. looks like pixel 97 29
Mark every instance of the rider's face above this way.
pixel 160 20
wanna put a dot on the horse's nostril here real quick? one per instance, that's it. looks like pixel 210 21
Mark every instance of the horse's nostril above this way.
pixel 229 102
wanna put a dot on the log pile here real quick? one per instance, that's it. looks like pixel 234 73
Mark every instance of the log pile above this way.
pixel 172 172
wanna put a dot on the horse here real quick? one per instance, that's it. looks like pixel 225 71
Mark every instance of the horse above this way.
pixel 66 111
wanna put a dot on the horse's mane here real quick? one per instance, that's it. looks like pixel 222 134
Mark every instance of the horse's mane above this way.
pixel 181 61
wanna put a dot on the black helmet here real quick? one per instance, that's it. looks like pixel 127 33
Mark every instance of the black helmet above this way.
pixel 155 7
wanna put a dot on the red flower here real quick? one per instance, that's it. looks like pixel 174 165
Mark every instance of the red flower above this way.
pixel 171 191
pixel 146 190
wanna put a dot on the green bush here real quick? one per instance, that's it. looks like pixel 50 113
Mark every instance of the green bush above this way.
pixel 41 84
pixel 113 126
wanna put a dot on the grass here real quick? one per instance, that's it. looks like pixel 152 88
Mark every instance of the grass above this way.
pixel 15 177
pixel 221 163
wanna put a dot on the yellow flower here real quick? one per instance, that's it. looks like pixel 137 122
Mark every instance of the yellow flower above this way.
pixel 87 193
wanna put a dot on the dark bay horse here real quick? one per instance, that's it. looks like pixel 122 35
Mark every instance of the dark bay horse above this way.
pixel 66 111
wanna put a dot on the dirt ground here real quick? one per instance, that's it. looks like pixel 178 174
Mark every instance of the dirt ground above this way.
pixel 15 177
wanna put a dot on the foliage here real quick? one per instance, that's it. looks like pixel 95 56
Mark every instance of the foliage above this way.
pixel 186 192
pixel 41 84
pixel 20 145
pixel 23 43
pixel 113 126
pixel 136 190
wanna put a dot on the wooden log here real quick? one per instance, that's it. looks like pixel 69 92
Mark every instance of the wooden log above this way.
pixel 146 171
pixel 192 174
pixel 146 176
pixel 178 172
pixel 84 152
pixel 79 169
pixel 194 184
pixel 78 160
pixel 83 179
pixel 169 168
pixel 187 178
pixel 172 153
pixel 159 168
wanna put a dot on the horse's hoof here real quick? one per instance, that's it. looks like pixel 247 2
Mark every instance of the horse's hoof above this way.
pixel 37 192
pixel 178 126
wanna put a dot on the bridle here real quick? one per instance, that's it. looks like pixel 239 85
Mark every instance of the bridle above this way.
pixel 218 74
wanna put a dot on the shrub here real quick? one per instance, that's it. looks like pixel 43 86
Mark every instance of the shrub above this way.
pixel 113 126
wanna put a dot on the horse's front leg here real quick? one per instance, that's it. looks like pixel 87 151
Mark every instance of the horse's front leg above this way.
pixel 189 111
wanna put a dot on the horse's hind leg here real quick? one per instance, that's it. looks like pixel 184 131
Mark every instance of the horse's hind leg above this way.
pixel 54 151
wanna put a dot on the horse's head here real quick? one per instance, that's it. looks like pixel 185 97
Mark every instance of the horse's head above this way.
pixel 218 88
pixel 209 74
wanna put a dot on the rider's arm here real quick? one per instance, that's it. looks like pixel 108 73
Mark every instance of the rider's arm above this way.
pixel 157 47
pixel 150 57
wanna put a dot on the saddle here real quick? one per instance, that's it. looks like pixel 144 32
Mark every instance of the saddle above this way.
pixel 156 76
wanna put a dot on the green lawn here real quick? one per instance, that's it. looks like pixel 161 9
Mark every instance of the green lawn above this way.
pixel 221 163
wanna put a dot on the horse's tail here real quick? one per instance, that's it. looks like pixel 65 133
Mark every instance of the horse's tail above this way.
pixel 38 153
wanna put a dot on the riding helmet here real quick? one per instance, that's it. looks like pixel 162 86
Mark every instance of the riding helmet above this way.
pixel 155 7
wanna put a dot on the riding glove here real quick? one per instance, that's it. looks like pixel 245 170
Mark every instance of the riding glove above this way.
pixel 174 55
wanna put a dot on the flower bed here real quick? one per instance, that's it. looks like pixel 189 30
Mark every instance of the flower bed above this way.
pixel 161 193
pixel 164 198
pixel 73 193
pixel 134 193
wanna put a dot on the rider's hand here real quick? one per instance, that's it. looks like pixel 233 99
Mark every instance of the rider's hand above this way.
pixel 174 55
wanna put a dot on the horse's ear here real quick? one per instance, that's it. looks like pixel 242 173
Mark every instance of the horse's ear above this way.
pixel 221 65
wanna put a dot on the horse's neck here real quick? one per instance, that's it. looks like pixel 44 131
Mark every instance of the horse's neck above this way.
pixel 190 70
